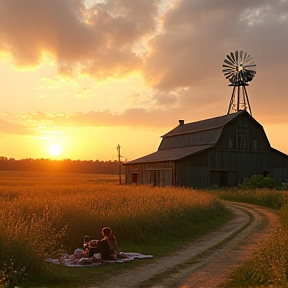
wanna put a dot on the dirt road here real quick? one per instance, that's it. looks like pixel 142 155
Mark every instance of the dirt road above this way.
pixel 208 261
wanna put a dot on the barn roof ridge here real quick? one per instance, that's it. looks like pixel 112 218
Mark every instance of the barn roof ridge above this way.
pixel 203 125
pixel 190 132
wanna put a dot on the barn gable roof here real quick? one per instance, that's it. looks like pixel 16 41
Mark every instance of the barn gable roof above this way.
pixel 188 139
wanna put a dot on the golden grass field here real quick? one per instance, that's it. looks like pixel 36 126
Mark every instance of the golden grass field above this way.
pixel 42 214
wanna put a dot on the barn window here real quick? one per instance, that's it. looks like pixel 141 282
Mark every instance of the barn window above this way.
pixel 242 138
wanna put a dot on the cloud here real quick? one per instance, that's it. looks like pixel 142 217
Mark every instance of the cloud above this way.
pixel 165 99
pixel 100 40
pixel 41 121
pixel 12 128
pixel 195 39
pixel 96 40
pixel 182 61
pixel 196 34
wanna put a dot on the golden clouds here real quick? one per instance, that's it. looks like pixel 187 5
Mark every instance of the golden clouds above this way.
pixel 176 49
pixel 59 27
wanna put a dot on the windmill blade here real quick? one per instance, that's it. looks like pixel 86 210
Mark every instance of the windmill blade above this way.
pixel 236 57
pixel 229 59
pixel 249 63
pixel 232 80
pixel 241 56
pixel 233 57
pixel 249 71
pixel 248 66
pixel 227 70
pixel 229 63
pixel 244 58
pixel 249 58
pixel 228 75
pixel 228 66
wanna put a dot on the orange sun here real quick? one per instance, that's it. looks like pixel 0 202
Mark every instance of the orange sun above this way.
pixel 55 150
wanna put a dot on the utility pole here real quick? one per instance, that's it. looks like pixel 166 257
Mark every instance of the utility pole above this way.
pixel 119 160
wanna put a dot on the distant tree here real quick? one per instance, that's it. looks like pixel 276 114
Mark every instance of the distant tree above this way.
pixel 65 165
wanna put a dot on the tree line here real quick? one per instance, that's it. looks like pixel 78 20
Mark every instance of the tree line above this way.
pixel 65 165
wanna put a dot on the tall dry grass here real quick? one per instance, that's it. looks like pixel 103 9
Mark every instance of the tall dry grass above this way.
pixel 269 265
pixel 266 197
pixel 42 216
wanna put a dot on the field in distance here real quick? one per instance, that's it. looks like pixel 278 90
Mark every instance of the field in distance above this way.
pixel 35 174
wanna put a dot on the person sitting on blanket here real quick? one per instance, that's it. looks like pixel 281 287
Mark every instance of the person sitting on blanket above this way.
pixel 86 243
pixel 107 246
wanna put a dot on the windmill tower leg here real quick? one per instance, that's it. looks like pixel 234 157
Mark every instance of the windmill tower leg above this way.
pixel 231 101
pixel 238 98
pixel 247 99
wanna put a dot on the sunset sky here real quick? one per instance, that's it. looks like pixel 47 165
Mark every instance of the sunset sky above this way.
pixel 85 76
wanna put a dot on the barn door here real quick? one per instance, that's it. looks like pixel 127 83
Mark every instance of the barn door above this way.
pixel 160 178
pixel 135 177
pixel 223 179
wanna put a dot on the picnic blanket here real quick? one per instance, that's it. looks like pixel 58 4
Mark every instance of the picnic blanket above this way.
pixel 72 261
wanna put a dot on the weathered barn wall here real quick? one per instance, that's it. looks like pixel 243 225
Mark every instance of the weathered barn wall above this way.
pixel 193 171
pixel 155 174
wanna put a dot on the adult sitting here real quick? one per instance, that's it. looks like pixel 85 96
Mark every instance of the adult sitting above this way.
pixel 103 246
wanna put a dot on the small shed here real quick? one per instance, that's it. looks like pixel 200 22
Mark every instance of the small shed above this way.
pixel 219 151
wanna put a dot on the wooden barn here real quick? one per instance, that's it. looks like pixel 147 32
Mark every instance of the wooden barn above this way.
pixel 220 151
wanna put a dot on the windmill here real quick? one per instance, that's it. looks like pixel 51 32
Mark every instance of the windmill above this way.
pixel 239 69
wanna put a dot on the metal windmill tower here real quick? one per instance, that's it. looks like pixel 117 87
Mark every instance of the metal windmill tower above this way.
pixel 239 69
